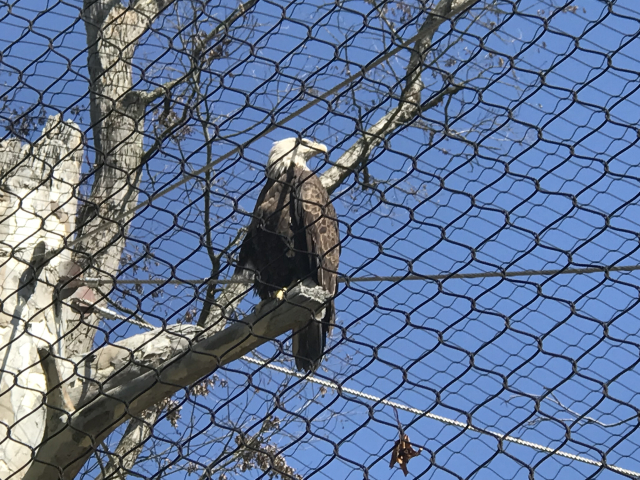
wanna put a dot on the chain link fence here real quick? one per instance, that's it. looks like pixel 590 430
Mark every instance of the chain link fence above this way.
pixel 483 163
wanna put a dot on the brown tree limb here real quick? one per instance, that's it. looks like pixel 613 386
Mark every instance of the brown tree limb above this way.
pixel 113 31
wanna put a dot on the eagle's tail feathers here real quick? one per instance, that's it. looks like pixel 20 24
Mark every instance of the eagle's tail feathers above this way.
pixel 308 346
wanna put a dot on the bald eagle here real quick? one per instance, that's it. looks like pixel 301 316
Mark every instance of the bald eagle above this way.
pixel 294 235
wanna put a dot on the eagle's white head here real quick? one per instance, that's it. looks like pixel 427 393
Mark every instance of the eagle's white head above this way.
pixel 291 151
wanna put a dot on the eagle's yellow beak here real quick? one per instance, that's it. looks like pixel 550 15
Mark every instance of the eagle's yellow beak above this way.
pixel 316 146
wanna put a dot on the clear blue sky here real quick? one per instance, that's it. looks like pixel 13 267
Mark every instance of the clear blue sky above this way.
pixel 546 177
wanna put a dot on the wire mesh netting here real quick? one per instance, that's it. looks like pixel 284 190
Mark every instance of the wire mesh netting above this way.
pixel 481 157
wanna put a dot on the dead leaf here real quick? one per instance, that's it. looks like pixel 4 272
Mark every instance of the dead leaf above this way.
pixel 403 452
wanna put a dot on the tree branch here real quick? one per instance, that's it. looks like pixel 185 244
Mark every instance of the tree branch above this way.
pixel 124 361
pixel 65 451
pixel 350 161
pixel 162 90
pixel 410 100
pixel 130 446
pixel 113 31
pixel 216 312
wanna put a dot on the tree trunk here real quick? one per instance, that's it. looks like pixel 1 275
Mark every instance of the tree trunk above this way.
pixel 37 211
pixel 117 120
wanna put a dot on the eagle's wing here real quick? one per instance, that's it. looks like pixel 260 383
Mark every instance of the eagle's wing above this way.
pixel 316 216
pixel 248 263
pixel 270 237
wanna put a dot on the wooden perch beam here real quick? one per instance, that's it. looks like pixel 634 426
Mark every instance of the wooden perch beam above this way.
pixel 64 452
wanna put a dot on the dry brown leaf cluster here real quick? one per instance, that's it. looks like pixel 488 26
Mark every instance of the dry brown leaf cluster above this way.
pixel 403 452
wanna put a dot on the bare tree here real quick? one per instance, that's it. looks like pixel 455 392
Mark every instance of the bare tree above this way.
pixel 62 392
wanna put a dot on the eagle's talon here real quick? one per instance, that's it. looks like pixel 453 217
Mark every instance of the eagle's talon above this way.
pixel 280 294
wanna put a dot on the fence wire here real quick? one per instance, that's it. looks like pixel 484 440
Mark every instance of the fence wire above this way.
pixel 482 162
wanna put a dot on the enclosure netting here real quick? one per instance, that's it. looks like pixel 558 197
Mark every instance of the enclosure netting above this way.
pixel 483 163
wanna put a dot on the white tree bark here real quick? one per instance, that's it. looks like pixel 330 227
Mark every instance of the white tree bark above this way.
pixel 37 211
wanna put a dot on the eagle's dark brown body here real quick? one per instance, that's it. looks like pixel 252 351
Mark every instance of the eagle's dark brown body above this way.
pixel 294 235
